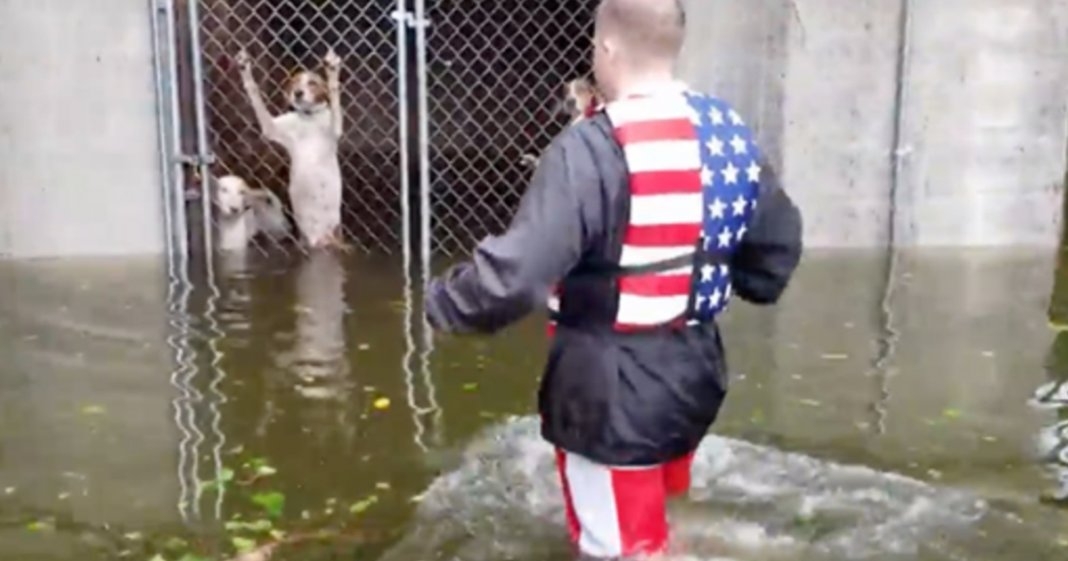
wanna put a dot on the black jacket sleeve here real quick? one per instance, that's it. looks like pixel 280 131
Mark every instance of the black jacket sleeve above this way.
pixel 510 274
pixel 765 261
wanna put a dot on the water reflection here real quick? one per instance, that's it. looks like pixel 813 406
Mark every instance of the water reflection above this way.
pixel 179 339
pixel 1053 395
pixel 417 328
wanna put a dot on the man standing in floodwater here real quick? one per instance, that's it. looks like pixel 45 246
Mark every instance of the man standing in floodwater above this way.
pixel 642 220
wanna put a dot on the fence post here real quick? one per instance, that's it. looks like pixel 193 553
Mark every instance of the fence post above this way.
pixel 203 150
pixel 421 23
pixel 164 49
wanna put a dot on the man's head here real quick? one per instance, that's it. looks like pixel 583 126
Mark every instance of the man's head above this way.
pixel 636 40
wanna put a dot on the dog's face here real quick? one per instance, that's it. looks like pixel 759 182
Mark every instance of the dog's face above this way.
pixel 580 97
pixel 306 91
pixel 231 195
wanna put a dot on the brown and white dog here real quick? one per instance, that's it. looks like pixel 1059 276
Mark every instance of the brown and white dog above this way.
pixel 580 99
pixel 310 133
pixel 244 212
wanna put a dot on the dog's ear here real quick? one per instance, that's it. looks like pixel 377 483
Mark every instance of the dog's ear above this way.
pixel 293 81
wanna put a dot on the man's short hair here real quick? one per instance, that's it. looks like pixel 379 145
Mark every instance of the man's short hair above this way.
pixel 652 29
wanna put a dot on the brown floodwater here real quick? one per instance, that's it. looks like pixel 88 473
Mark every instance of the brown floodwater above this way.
pixel 918 413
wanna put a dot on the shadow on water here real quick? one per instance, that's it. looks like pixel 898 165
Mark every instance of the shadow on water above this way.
pixel 307 401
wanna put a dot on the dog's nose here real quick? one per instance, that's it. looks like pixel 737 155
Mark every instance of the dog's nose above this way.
pixel 299 94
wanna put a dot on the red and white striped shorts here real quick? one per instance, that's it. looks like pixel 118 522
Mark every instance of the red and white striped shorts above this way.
pixel 619 511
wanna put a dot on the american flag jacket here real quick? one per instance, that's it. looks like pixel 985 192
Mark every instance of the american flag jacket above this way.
pixel 694 179
pixel 647 218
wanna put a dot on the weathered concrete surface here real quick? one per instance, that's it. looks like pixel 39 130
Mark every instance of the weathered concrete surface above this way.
pixel 79 168
pixel 985 122
pixel 982 119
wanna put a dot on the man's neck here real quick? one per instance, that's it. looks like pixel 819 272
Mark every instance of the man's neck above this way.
pixel 648 82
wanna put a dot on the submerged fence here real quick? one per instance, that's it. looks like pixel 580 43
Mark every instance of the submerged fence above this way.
pixel 440 100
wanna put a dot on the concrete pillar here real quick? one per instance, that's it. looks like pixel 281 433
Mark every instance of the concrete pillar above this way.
pixel 79 167
pixel 985 117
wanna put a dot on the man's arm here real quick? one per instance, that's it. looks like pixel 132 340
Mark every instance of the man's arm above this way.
pixel 770 251
pixel 510 274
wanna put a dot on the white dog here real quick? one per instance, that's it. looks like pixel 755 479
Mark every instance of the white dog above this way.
pixel 244 212
pixel 310 133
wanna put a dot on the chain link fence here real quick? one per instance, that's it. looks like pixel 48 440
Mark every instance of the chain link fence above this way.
pixel 283 36
pixel 495 74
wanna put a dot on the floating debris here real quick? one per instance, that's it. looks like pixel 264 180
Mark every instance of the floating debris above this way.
pixel 383 486
pixel 94 410
pixel 243 545
pixel 382 403
pixel 360 507
pixel 41 526
pixel 9 490
pixel 259 526
pixel 834 356
pixel 363 347
pixel 470 387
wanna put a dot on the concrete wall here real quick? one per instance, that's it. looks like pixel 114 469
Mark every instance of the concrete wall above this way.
pixel 982 119
pixel 79 167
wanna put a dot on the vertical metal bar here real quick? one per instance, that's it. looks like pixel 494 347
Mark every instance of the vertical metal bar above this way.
pixel 402 17
pixel 421 24
pixel 203 150
pixel 177 194
pixel 162 125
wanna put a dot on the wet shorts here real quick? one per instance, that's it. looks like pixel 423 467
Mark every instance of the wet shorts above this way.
pixel 619 511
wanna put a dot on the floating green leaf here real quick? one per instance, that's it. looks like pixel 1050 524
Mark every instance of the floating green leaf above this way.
pixel 952 413
pixel 226 475
pixel 273 503
pixel 41 526
pixel 191 557
pixel 257 526
pixel 261 467
pixel 470 387
pixel 243 545
pixel 93 410
pixel 175 544
pixel 362 506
